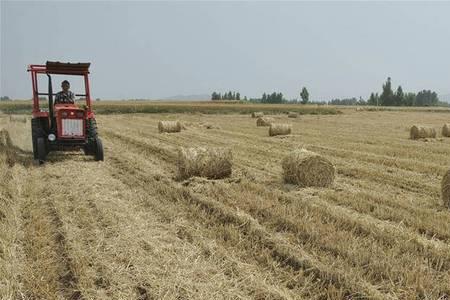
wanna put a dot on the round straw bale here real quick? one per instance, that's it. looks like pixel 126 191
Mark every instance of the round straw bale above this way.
pixel 279 129
pixel 446 130
pixel 169 126
pixel 446 189
pixel 212 163
pixel 293 115
pixel 419 132
pixel 306 168
pixel 264 121
pixel 257 114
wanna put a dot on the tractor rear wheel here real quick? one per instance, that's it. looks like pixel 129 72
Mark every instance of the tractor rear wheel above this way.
pixel 41 149
pixel 98 150
pixel 91 132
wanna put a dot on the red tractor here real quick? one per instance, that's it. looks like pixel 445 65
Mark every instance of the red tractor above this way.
pixel 65 126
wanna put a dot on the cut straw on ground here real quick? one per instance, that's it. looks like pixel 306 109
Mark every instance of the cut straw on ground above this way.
pixel 446 189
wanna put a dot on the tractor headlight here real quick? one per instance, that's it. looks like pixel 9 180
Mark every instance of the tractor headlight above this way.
pixel 51 137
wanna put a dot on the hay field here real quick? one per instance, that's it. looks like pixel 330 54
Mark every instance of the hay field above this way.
pixel 205 107
pixel 127 229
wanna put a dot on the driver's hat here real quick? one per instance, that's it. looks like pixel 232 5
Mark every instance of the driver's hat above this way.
pixel 65 81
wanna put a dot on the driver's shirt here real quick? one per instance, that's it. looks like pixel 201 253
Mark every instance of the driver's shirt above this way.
pixel 65 97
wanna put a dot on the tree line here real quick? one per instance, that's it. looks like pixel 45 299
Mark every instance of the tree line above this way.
pixel 274 97
pixel 399 98
pixel 387 97
pixel 348 101
pixel 226 96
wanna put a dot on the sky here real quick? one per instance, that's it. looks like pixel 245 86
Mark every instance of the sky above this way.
pixel 155 50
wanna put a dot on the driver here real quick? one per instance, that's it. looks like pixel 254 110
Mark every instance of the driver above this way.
pixel 65 96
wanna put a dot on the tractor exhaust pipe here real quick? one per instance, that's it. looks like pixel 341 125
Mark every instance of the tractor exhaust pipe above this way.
pixel 50 100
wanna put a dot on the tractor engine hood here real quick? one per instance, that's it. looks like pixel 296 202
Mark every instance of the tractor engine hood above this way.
pixel 72 110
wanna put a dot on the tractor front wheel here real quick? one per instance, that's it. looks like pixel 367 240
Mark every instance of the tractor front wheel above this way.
pixel 41 149
pixel 87 149
pixel 98 150
pixel 36 132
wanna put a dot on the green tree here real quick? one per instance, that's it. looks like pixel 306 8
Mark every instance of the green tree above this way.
pixel 410 99
pixel 387 96
pixel 304 95
pixel 280 98
pixel 238 96
pixel 426 98
pixel 399 96
pixel 273 97
pixel 372 100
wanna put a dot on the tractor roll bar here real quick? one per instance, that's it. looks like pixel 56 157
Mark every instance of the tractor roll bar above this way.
pixel 50 100
pixel 80 69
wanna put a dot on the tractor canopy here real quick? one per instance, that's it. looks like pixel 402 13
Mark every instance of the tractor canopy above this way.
pixel 53 67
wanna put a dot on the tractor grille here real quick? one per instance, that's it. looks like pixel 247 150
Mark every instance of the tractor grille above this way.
pixel 72 127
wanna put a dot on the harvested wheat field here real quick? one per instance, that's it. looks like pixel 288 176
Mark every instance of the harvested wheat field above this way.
pixel 127 228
